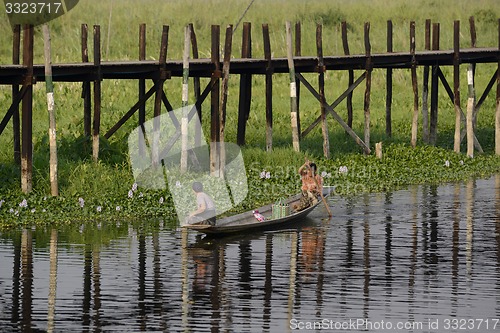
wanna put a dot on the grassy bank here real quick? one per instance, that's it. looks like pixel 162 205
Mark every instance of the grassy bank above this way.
pixel 104 187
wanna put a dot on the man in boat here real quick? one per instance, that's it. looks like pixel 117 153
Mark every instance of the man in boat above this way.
pixel 312 185
pixel 205 214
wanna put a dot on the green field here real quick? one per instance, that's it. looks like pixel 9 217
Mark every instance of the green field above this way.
pixel 107 183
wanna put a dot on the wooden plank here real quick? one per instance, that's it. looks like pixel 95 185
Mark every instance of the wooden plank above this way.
pixel 434 88
pixel 414 123
pixel 245 86
pixel 97 94
pixel 27 124
pixel 368 82
pixel 215 99
pixel 293 89
pixel 425 86
pixel 321 88
pixel 388 84
pixel 86 94
pixel 345 45
pixel 335 115
pixel 16 125
pixel 269 88
pixel 456 84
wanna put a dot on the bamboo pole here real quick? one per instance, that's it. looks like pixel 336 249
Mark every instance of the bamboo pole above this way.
pixel 214 101
pixel 269 88
pixel 245 85
pixel 155 157
pixel 86 95
pixel 425 86
pixel 54 190
pixel 470 112
pixel 434 88
pixel 27 124
pixel 321 82
pixel 456 84
pixel 414 123
pixel 142 89
pixel 223 98
pixel 388 98
pixel 497 113
pixel 293 89
pixel 196 86
pixel 369 66
pixel 16 44
pixel 345 45
pixel 298 53
pixel 97 93
pixel 185 99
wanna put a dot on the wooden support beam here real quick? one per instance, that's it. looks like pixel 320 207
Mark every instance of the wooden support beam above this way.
pixel 425 86
pixel 141 87
pixel 345 45
pixel 293 90
pixel 245 86
pixel 497 113
pixel 269 88
pixel 86 93
pixel 388 84
pixel 16 126
pixel 196 85
pixel 456 84
pixel 369 68
pixel 298 53
pixel 414 123
pixel 434 88
pixel 27 124
pixel 223 98
pixel 15 105
pixel 335 115
pixel 321 84
pixel 97 93
pixel 215 102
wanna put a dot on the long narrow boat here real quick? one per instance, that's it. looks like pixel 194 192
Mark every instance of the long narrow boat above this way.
pixel 247 221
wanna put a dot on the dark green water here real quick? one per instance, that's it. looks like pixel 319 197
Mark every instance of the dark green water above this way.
pixel 426 259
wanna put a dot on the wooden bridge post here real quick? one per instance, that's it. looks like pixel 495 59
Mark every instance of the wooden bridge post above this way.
pixel 434 88
pixel 497 113
pixel 369 68
pixel 293 89
pixel 245 85
pixel 185 99
pixel 321 82
pixel 345 45
pixel 196 85
pixel 388 98
pixel 269 88
pixel 215 99
pixel 425 86
pixel 15 90
pixel 223 98
pixel 298 53
pixel 97 93
pixel 414 123
pixel 27 111
pixel 86 95
pixel 142 87
pixel 456 84
pixel 470 111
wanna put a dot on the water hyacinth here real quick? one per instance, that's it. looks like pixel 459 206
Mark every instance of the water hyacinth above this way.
pixel 178 184
pixel 81 202
pixel 343 169
pixel 99 209
pixel 325 174
pixel 265 174
pixel 33 210
pixel 118 208
pixel 161 200
pixel 23 203
pixel 447 163
pixel 134 187
pixel 130 194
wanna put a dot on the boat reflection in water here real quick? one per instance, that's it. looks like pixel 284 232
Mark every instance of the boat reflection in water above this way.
pixel 416 255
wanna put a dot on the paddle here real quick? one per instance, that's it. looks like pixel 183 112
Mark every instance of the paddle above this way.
pixel 321 193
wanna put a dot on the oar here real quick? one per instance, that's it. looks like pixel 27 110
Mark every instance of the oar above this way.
pixel 321 193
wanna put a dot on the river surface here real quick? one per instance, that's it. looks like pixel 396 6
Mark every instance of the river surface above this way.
pixel 425 259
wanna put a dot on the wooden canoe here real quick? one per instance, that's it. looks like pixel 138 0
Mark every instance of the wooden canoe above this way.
pixel 246 221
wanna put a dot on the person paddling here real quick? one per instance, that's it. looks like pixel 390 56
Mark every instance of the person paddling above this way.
pixel 312 185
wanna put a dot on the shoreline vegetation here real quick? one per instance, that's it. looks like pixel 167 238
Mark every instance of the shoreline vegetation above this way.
pixel 106 190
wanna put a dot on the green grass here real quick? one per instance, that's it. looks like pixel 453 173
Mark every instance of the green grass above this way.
pixel 107 183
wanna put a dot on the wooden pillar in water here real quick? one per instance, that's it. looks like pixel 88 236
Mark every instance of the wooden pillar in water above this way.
pixel 425 86
pixel 86 95
pixel 97 93
pixel 293 89
pixel 269 88
pixel 142 82
pixel 470 111
pixel 16 45
pixel 27 121
pixel 321 82
pixel 388 97
pixel 456 84
pixel 414 82
pixel 245 86
pixel 223 99
pixel 345 45
pixel 369 67
pixel 214 96
pixel 196 86
pixel 185 99
pixel 497 113
pixel 298 53
pixel 434 88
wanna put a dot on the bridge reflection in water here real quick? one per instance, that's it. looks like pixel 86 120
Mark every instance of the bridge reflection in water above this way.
pixel 425 253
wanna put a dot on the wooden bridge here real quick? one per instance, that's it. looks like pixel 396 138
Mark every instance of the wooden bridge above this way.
pixel 23 76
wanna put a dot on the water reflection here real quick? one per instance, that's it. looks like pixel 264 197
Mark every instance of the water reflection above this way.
pixel 425 253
